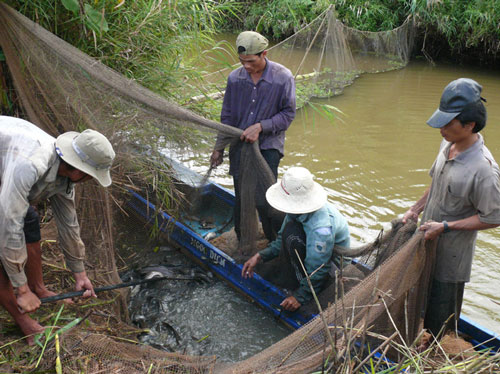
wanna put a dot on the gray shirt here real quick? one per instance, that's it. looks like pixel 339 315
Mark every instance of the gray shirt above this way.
pixel 271 102
pixel 28 174
pixel 461 187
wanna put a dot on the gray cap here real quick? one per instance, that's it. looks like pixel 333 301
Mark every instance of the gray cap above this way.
pixel 250 43
pixel 456 96
pixel 89 151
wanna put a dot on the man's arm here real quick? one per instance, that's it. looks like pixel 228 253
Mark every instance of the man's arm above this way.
pixel 268 253
pixel 317 262
pixel 14 191
pixel 225 114
pixel 434 229
pixel 417 208
pixel 17 181
pixel 63 206
pixel 217 156
pixel 282 120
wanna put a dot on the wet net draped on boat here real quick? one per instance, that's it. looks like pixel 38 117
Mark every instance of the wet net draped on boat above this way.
pixel 61 89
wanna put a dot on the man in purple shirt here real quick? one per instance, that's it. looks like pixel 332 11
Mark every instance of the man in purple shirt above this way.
pixel 259 99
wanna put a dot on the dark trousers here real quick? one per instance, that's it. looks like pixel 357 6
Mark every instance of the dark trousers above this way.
pixel 445 299
pixel 294 239
pixel 32 226
pixel 271 223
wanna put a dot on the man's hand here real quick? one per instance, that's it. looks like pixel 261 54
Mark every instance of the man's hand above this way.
pixel 249 265
pixel 291 304
pixel 27 301
pixel 410 215
pixel 83 283
pixel 432 229
pixel 216 158
pixel 251 133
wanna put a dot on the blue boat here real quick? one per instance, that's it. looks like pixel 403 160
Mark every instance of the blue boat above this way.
pixel 190 235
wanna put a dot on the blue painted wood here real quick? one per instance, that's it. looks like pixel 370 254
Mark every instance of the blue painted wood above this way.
pixel 479 335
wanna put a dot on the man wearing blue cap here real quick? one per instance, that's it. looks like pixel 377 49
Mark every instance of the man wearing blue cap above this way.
pixel 464 197
pixel 260 100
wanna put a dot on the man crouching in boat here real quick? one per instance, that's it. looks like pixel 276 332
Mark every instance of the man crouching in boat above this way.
pixel 312 226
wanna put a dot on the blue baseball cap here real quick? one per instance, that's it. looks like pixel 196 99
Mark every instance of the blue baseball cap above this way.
pixel 456 96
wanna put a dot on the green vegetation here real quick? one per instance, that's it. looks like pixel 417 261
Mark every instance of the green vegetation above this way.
pixel 464 30
pixel 157 43
pixel 457 30
pixel 161 44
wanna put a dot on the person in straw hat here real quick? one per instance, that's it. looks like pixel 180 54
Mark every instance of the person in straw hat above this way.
pixel 34 166
pixel 260 100
pixel 312 226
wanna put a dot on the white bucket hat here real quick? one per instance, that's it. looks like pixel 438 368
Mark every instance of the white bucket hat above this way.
pixel 296 193
pixel 89 151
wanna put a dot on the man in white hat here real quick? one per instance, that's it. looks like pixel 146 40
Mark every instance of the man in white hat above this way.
pixel 34 166
pixel 312 227
pixel 260 100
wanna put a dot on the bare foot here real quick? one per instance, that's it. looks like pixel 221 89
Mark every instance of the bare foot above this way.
pixel 425 342
pixel 29 327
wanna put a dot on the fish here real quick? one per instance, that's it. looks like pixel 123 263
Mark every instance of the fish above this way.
pixel 139 320
pixel 201 276
pixel 168 326
pixel 157 271
pixel 209 236
pixel 154 274
pixel 135 290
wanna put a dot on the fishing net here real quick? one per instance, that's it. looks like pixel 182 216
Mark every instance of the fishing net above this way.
pixel 385 305
pixel 61 89
pixel 334 56
pixel 96 353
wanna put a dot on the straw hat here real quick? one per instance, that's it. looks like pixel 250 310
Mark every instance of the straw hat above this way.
pixel 89 151
pixel 296 192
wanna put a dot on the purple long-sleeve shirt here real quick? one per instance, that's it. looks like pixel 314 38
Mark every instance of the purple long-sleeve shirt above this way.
pixel 271 102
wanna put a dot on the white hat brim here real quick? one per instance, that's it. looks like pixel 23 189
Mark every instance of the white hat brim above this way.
pixel 68 154
pixel 280 200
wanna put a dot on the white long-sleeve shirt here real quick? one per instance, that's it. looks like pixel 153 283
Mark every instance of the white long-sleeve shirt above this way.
pixel 28 174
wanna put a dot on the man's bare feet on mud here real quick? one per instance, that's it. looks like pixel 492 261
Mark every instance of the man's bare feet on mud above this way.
pixel 29 327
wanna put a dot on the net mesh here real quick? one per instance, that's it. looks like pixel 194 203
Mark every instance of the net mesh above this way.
pixel 62 89
pixel 326 56
pixel 388 299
